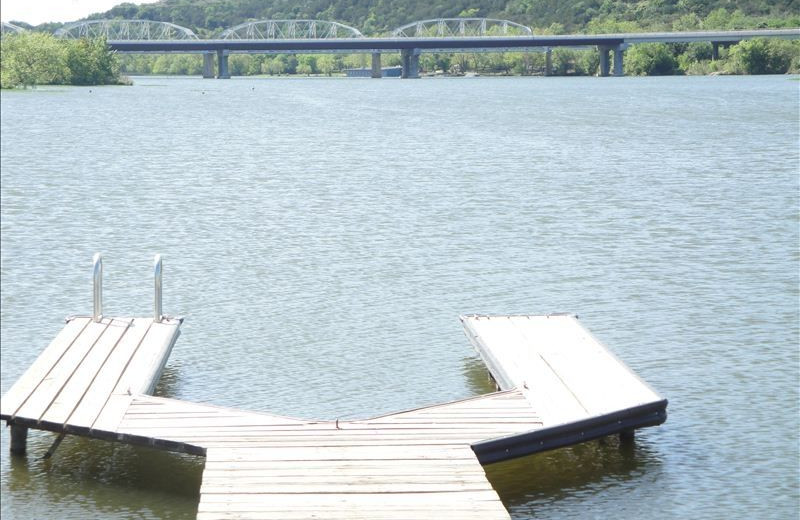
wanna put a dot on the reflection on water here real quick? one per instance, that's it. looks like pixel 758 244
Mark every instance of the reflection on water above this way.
pixel 90 478
pixel 528 482
pixel 170 379
pixel 478 377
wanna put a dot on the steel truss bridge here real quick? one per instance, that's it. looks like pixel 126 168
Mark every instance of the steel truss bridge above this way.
pixel 436 35
pixel 10 28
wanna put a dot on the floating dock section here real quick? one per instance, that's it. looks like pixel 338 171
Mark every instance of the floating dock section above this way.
pixel 557 385
pixel 580 390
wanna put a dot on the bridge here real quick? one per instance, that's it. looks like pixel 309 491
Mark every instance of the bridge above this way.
pixel 438 35
pixel 10 28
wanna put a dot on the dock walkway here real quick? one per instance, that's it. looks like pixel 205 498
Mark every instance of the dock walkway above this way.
pixel 557 386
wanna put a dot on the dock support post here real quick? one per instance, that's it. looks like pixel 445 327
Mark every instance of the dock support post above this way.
pixel 97 287
pixel 54 446
pixel 604 61
pixel 376 65
pixel 410 59
pixel 627 437
pixel 222 65
pixel 618 70
pixel 157 276
pixel 19 439
pixel 548 61
pixel 208 65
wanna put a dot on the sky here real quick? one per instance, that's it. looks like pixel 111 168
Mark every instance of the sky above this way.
pixel 35 12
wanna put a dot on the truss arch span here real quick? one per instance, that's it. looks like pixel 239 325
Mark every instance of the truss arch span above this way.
pixel 290 30
pixel 461 28
pixel 126 30
pixel 10 28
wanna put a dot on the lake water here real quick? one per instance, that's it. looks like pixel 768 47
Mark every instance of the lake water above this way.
pixel 322 236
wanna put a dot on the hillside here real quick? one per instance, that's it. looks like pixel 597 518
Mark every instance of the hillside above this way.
pixel 374 17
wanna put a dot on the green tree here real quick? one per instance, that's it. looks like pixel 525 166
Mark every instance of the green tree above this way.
pixel 32 58
pixel 90 62
pixel 307 64
pixel 761 56
pixel 650 59
pixel 327 64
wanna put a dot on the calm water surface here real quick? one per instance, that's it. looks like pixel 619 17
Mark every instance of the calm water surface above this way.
pixel 321 238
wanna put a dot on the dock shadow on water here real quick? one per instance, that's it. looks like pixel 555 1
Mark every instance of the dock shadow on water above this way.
pixel 477 375
pixel 529 486
pixel 90 478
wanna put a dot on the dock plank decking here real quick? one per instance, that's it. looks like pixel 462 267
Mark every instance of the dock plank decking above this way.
pixel 558 384
pixel 85 377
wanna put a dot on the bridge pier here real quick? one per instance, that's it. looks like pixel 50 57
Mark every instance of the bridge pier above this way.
pixel 618 69
pixel 222 65
pixel 410 59
pixel 208 65
pixel 714 51
pixel 376 65
pixel 604 61
pixel 548 61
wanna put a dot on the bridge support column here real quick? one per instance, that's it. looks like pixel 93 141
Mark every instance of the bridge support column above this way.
pixel 548 61
pixel 604 61
pixel 410 59
pixel 376 65
pixel 222 65
pixel 208 65
pixel 714 51
pixel 618 69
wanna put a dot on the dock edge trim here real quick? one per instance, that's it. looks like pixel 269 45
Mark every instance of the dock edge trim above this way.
pixel 535 441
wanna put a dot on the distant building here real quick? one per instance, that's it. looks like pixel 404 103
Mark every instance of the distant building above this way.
pixel 386 72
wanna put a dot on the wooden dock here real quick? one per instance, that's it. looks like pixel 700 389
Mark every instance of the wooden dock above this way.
pixel 86 378
pixel 557 386
pixel 579 388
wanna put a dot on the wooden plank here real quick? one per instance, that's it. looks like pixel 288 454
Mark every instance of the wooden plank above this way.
pixel 290 514
pixel 30 380
pixel 101 388
pixel 109 418
pixel 147 404
pixel 81 379
pixel 258 501
pixel 502 348
pixel 344 453
pixel 599 380
pixel 47 390
pixel 566 373
pixel 144 369
pixel 349 474
pixel 391 482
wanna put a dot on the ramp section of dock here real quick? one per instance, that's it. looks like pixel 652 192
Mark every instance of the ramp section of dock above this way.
pixel 579 388
pixel 85 379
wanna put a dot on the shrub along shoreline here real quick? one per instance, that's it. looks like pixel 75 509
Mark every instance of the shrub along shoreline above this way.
pixel 35 58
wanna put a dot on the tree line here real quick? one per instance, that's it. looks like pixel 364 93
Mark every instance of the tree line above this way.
pixel 35 58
